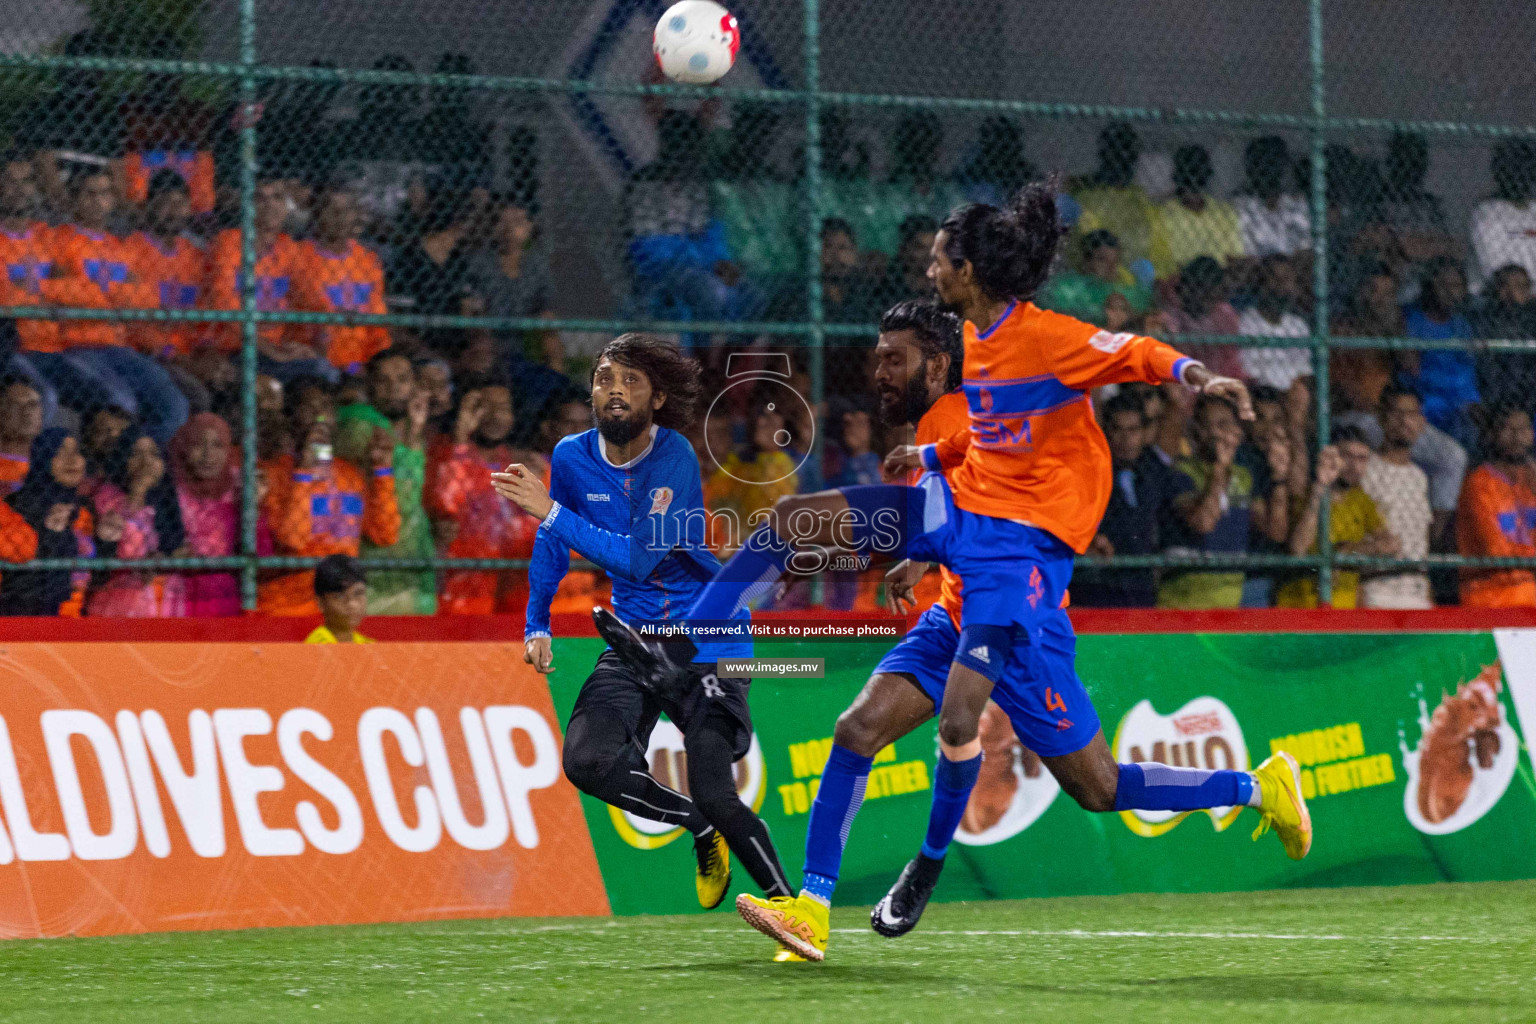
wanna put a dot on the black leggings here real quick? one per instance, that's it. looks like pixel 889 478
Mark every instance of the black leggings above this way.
pixel 603 760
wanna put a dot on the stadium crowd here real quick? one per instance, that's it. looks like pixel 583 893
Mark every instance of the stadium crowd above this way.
pixel 118 438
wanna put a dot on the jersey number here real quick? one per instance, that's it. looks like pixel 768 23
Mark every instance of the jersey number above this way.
pixel 1053 701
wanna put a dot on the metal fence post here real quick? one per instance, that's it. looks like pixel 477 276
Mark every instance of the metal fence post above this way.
pixel 248 116
pixel 816 338
pixel 1320 350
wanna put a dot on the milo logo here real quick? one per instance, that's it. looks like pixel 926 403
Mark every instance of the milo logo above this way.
pixel 669 765
pixel 1202 734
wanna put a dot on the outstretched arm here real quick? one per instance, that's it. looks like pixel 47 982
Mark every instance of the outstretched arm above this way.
pixel 632 557
pixel 1082 357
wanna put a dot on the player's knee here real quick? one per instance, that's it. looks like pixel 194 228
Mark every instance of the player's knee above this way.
pixel 1095 792
pixel 781 516
pixel 716 802
pixel 587 769
pixel 956 730
pixel 858 732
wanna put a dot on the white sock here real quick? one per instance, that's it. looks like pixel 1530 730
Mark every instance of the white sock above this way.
pixel 1255 798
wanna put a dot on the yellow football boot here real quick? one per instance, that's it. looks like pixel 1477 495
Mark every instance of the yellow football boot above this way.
pixel 713 877
pixel 798 923
pixel 785 955
pixel 1282 807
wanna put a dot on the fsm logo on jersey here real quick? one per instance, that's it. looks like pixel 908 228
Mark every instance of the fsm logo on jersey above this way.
pixel 1204 733
pixel 669 764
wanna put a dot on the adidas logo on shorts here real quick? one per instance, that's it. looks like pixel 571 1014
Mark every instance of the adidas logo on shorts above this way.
pixel 980 654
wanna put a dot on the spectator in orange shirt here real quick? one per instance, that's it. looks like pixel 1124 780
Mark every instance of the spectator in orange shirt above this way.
pixel 25 262
pixel 318 504
pixel 472 520
pixel 174 271
pixel 1497 514
pixel 338 274
pixel 21 420
pixel 284 351
pixel 91 270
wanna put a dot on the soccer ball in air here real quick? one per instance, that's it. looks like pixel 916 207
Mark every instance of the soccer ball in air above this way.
pixel 696 41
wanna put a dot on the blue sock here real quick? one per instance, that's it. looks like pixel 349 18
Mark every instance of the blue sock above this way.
pixel 757 564
pixel 1161 787
pixel 952 784
pixel 837 801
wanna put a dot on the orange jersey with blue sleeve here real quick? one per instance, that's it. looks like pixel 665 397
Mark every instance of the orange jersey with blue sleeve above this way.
pixel 1033 451
pixel 1497 518
pixel 26 257
pixel 173 277
pixel 944 418
pixel 345 282
pixel 91 271
pixel 275 270
pixel 323 512
pixel 193 165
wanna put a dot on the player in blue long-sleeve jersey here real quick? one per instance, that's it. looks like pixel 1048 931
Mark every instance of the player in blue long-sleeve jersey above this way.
pixel 628 497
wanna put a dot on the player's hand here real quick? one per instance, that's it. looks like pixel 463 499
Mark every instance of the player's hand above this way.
pixel 522 486
pixel 900 580
pixel 471 412
pixel 417 409
pixel 109 528
pixel 1233 390
pixel 58 518
pixel 1329 463
pixel 1278 453
pixel 901 461
pixel 381 449
pixel 1227 444
pixel 1101 547
pixel 540 653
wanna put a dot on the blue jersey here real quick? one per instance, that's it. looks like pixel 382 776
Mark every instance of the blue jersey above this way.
pixel 644 523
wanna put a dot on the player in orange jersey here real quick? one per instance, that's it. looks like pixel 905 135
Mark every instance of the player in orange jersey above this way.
pixel 1030 482
pixel 25 262
pixel 91 271
pixel 338 274
pixel 172 267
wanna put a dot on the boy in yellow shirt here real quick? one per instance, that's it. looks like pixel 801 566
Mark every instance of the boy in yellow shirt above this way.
pixel 341 589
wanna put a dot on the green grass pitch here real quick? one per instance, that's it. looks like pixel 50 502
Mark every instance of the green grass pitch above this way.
pixel 1414 953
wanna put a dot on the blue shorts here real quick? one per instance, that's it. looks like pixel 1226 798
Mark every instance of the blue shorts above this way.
pixel 1039 689
pixel 1011 574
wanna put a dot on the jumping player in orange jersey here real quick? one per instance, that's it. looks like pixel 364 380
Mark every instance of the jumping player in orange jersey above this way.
pixel 1030 483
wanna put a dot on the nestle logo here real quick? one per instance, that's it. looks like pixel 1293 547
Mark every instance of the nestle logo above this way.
pixel 1198 724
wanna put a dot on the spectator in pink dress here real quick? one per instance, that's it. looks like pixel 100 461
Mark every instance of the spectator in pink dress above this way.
pixel 136 490
pixel 207 478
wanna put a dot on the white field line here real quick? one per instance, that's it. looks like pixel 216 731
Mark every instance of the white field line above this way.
pixel 1078 933
pixel 1061 933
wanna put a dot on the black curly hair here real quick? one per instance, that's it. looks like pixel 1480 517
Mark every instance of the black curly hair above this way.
pixel 938 333
pixel 1010 250
pixel 670 372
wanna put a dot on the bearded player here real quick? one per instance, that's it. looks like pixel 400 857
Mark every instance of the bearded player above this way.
pixel 1030 480
pixel 628 496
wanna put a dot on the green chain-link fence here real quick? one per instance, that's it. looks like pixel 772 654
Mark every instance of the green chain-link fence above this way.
pixel 205 203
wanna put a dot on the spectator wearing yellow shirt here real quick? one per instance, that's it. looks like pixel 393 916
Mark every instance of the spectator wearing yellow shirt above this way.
pixel 1355 525
pixel 1112 201
pixel 341 590
pixel 1194 223
pixel 752 478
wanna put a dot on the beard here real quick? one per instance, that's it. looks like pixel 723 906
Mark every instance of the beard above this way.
pixel 489 442
pixel 622 428
pixel 906 405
